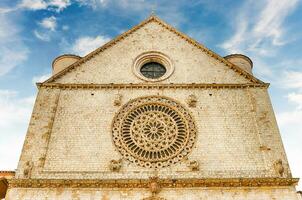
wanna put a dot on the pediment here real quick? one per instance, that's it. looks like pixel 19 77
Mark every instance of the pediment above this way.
pixel 191 62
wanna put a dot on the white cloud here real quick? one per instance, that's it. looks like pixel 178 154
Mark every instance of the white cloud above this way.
pixel 41 78
pixel 14 118
pixel 93 3
pixel 134 5
pixel 13 110
pixel 85 45
pixel 33 4
pixel 271 20
pixel 57 5
pixel 6 10
pixel 290 120
pixel 49 23
pixel 290 127
pixel 292 80
pixel 42 36
pixel 259 27
pixel 260 32
pixel 297 99
pixel 12 49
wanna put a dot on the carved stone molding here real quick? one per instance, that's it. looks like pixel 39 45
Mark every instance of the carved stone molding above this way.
pixel 154 198
pixel 145 183
pixel 150 86
pixel 153 56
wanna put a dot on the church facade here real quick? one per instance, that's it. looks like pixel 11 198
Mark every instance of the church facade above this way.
pixel 153 115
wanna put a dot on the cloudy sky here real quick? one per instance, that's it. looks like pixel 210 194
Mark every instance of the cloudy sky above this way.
pixel 34 32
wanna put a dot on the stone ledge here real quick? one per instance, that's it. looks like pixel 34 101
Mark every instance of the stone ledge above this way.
pixel 149 86
pixel 144 183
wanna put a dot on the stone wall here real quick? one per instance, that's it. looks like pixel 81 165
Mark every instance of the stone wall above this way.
pixel 70 134
pixel 274 193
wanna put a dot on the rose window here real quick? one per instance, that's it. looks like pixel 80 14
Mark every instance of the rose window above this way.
pixel 153 131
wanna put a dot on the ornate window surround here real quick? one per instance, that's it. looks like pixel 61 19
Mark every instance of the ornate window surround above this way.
pixel 152 56
pixel 134 138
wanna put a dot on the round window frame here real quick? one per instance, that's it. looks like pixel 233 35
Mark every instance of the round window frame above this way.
pixel 175 105
pixel 152 56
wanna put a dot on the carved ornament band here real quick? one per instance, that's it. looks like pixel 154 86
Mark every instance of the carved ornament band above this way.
pixel 149 86
pixel 144 183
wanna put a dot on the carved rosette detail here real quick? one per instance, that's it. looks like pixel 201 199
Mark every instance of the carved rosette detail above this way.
pixel 154 132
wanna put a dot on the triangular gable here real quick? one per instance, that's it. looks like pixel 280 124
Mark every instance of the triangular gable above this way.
pixel 153 18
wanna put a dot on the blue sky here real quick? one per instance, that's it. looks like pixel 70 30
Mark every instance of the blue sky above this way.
pixel 34 32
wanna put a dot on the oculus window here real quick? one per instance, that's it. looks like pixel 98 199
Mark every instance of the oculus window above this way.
pixel 153 70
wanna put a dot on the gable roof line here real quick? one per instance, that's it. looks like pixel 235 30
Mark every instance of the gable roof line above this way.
pixel 209 52
pixel 170 28
pixel 100 49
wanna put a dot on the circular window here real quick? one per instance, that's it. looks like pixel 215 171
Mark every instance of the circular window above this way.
pixel 153 132
pixel 153 66
pixel 153 70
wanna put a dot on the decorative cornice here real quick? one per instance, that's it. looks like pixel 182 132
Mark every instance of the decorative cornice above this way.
pixel 149 86
pixel 145 183
pixel 7 172
pixel 168 27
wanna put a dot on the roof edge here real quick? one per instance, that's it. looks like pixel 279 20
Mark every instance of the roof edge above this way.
pixel 210 52
pixel 102 48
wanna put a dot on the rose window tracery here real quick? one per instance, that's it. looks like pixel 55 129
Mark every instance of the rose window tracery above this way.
pixel 153 131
